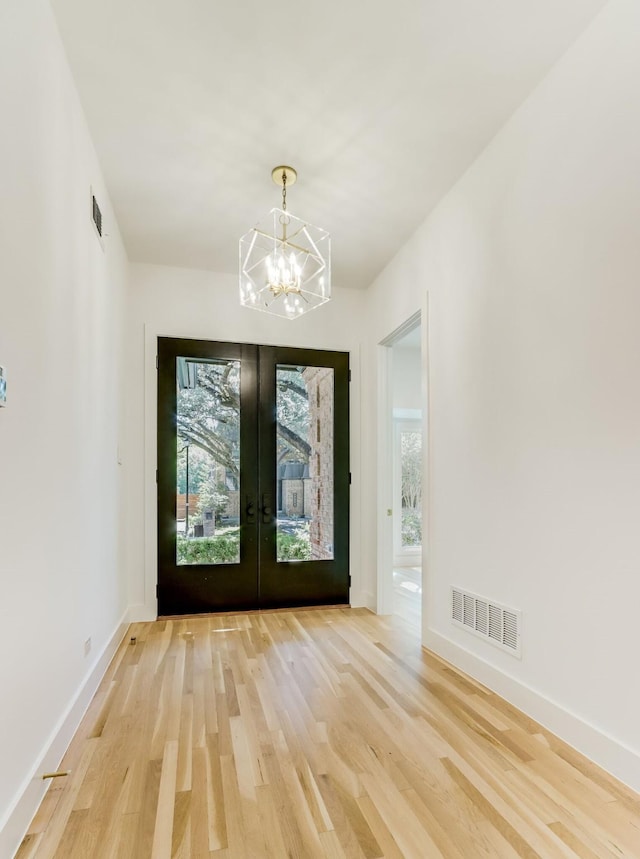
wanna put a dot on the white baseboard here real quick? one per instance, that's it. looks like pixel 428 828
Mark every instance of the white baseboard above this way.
pixel 28 798
pixel 601 748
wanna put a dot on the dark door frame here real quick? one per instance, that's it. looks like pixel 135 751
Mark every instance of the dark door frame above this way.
pixel 274 584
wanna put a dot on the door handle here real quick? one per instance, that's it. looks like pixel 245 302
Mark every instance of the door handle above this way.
pixel 267 511
pixel 250 509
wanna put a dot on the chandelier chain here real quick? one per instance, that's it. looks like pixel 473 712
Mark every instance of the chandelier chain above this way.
pixel 284 190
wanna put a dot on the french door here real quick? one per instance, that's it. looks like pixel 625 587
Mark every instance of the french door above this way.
pixel 253 476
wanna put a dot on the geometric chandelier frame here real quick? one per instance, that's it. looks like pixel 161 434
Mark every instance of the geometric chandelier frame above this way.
pixel 285 261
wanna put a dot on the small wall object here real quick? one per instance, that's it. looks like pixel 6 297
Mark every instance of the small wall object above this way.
pixel 3 387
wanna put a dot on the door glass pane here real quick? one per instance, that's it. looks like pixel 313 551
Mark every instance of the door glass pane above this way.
pixel 208 460
pixel 411 469
pixel 304 414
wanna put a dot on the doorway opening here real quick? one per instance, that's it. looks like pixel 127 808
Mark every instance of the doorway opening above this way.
pixel 401 463
pixel 407 516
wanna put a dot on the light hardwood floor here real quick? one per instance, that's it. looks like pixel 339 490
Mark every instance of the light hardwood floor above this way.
pixel 407 595
pixel 323 733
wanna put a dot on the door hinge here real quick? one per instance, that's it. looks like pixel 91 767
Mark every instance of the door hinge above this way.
pixel 349 478
pixel 349 375
pixel 349 579
pixel 156 475
pixel 157 591
pixel 157 364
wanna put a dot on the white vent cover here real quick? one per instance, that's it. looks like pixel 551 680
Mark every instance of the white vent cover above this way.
pixel 491 620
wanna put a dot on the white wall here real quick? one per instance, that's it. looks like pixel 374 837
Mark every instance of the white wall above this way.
pixel 532 268
pixel 166 301
pixel 61 299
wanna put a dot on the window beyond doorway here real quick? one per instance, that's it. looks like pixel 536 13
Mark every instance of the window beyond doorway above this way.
pixel 407 479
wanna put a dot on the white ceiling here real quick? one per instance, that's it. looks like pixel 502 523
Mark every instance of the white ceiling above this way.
pixel 379 106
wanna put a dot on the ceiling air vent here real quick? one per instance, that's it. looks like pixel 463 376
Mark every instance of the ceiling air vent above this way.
pixel 490 620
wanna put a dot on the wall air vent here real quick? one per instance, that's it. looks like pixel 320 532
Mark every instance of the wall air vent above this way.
pixel 490 620
pixel 96 215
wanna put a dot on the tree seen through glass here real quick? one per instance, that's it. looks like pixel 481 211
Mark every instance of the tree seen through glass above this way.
pixel 411 488
pixel 208 462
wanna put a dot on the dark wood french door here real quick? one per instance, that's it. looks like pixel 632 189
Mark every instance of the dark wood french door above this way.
pixel 253 476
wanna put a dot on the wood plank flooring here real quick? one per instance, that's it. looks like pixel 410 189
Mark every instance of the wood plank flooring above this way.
pixel 323 733
pixel 407 595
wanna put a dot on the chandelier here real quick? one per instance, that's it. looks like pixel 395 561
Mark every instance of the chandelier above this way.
pixel 285 262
